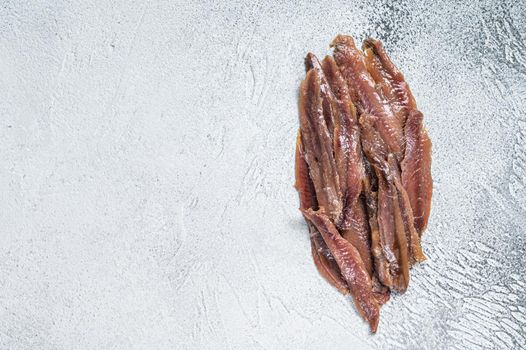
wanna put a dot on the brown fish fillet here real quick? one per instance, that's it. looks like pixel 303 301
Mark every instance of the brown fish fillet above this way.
pixel 318 146
pixel 381 265
pixel 415 249
pixel 328 103
pixel 325 262
pixel 351 265
pixel 347 152
pixel 358 234
pixel 347 143
pixel 389 79
pixel 333 120
pixel 303 183
pixel 354 221
pixel 321 254
pixel 352 65
pixel 370 141
pixel 363 172
pixel 392 228
pixel 387 226
pixel 381 292
pixel 401 281
pixel 373 144
pixel 416 170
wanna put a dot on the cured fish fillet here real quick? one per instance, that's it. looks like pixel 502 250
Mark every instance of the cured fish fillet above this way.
pixel 318 149
pixel 389 80
pixel 416 170
pixel 347 147
pixel 413 239
pixel 358 234
pixel 363 173
pixel 353 271
pixel 321 254
pixel 353 222
pixel 397 236
pixel 381 265
pixel 347 152
pixel 352 65
pixel 391 84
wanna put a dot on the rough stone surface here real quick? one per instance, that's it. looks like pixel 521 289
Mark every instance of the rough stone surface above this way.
pixel 146 171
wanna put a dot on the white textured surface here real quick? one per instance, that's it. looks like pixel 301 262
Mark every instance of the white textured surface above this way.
pixel 146 162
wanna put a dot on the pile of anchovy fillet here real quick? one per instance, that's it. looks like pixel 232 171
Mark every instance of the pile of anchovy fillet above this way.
pixel 363 173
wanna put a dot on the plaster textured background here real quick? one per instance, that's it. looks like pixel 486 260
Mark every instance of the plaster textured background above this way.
pixel 146 172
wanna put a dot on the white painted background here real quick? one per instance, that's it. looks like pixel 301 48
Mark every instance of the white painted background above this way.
pixel 146 171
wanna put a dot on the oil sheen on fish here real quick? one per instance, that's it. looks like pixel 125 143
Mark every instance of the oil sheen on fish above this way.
pixel 363 173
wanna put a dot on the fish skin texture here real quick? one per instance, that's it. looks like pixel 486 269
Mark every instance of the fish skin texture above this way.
pixel 352 65
pixel 358 234
pixel 389 79
pixel 318 148
pixel 351 265
pixel 381 265
pixel 348 147
pixel 416 170
pixel 413 239
pixel 321 254
pixel 363 173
